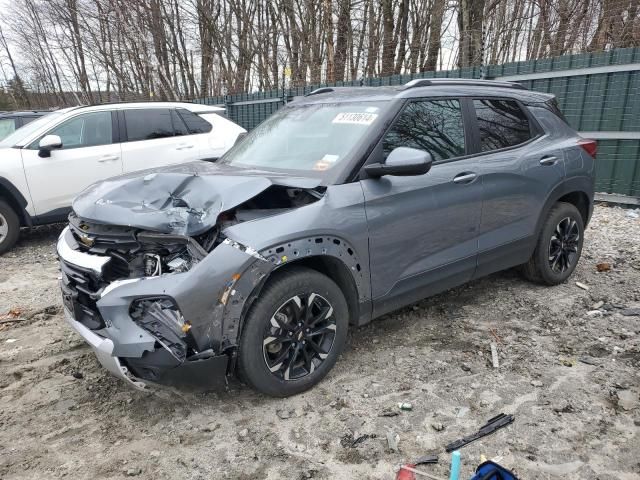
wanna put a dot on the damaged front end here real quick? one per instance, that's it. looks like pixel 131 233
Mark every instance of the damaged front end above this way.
pixel 159 296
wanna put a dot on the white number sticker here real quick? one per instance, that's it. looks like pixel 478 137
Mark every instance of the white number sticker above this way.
pixel 362 118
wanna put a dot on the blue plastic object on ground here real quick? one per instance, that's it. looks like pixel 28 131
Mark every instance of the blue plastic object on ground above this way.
pixel 492 471
pixel 455 466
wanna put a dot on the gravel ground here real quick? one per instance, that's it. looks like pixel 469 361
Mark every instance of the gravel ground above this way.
pixel 568 371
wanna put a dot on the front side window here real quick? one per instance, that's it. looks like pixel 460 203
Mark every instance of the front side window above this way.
pixel 148 124
pixel 502 124
pixel 7 127
pixel 86 130
pixel 309 138
pixel 434 126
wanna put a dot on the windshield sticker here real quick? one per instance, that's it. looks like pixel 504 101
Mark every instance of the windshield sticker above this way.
pixel 330 158
pixel 361 118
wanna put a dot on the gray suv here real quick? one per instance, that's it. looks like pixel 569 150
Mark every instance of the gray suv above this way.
pixel 344 205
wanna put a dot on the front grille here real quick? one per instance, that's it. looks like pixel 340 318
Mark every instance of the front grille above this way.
pixel 116 269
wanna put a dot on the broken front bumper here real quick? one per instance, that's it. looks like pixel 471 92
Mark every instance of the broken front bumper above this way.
pixel 101 313
pixel 103 348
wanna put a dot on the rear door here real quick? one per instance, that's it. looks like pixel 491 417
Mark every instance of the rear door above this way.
pixel 90 152
pixel 155 137
pixel 519 168
pixel 423 229
pixel 209 143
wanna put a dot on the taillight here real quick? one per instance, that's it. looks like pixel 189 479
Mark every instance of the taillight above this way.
pixel 589 146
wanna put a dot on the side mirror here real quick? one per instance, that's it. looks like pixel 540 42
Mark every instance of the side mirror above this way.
pixel 402 161
pixel 48 143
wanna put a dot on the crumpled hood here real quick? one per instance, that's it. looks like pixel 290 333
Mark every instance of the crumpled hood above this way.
pixel 183 199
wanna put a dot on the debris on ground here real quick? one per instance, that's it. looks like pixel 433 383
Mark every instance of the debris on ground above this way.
pixel 603 267
pixel 494 355
pixel 627 399
pixel 284 413
pixel 426 459
pixel 492 425
pixel 438 427
pixel 405 406
pixel 387 412
pixel 582 286
pixel 392 441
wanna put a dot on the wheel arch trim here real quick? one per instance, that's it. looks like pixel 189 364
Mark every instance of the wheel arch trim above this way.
pixel 580 185
pixel 280 257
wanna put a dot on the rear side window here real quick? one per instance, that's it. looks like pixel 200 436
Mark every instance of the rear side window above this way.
pixel 195 124
pixel 148 124
pixel 434 126
pixel 502 124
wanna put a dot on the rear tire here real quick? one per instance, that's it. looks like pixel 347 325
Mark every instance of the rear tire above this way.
pixel 9 227
pixel 283 350
pixel 558 248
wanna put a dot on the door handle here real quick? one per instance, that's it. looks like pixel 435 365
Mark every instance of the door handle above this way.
pixel 108 158
pixel 550 160
pixel 184 146
pixel 466 177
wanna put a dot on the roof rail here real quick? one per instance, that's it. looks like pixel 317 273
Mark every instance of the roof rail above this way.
pixel 428 82
pixel 320 90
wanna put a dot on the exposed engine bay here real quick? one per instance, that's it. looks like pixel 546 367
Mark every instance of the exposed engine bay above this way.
pixel 137 253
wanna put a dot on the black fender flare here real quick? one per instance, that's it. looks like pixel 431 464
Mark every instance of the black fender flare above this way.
pixel 240 295
pixel 570 185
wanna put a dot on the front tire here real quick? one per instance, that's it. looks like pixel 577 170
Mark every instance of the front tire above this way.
pixel 9 227
pixel 294 333
pixel 559 246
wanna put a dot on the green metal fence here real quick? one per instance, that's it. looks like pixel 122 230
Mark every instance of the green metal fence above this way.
pixel 598 92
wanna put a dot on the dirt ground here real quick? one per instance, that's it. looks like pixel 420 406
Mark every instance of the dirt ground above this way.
pixel 568 371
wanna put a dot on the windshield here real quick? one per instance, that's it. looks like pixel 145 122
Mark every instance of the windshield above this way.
pixel 308 138
pixel 7 127
pixel 23 133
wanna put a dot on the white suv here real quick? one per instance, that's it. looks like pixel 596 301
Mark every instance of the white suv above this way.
pixel 46 163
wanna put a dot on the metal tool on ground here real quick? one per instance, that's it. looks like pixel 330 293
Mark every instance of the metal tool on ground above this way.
pixel 496 423
pixel 426 460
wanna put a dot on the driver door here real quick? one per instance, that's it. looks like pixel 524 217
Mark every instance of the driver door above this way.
pixel 423 230
pixel 88 154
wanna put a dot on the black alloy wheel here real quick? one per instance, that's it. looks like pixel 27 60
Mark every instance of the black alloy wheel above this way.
pixel 294 332
pixel 563 246
pixel 299 336
pixel 558 247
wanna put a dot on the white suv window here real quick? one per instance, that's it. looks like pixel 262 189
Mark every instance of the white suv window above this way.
pixel 85 130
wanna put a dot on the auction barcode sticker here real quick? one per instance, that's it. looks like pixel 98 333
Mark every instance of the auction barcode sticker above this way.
pixel 362 118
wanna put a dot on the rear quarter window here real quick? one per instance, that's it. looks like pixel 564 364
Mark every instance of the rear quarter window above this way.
pixel 195 123
pixel 502 124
